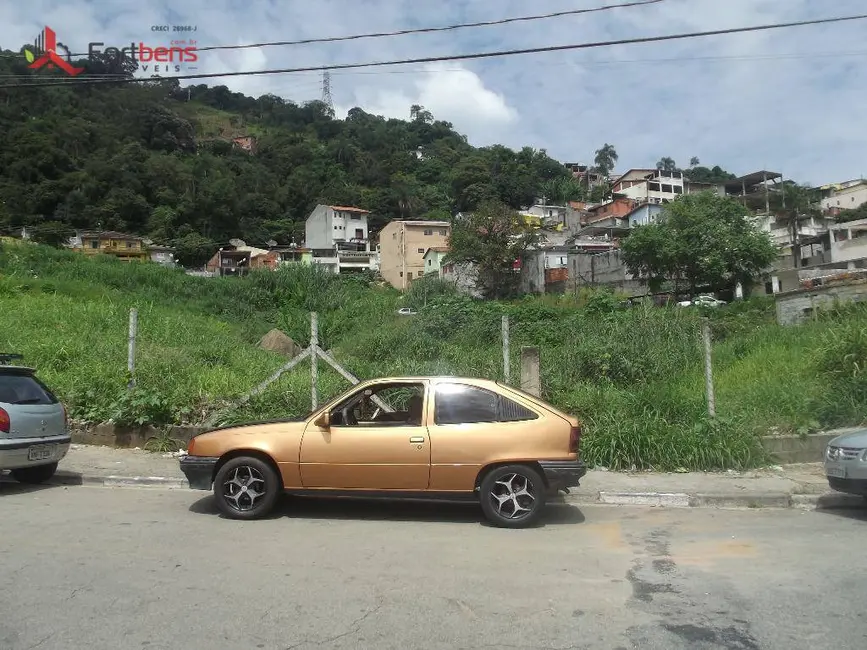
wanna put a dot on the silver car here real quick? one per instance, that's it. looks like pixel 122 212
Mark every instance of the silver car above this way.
pixel 846 463
pixel 34 434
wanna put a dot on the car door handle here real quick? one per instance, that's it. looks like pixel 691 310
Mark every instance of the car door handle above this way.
pixel 416 439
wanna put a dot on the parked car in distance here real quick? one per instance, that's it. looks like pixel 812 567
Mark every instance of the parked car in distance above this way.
pixel 704 300
pixel 34 434
pixel 441 438
pixel 846 463
pixel 406 311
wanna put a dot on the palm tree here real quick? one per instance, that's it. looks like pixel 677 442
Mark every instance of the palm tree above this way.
pixel 666 164
pixel 694 161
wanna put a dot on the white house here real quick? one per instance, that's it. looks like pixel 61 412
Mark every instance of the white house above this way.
pixel 433 259
pixel 849 241
pixel 843 196
pixel 338 236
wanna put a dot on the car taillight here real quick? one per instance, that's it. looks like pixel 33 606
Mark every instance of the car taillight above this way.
pixel 5 422
pixel 574 439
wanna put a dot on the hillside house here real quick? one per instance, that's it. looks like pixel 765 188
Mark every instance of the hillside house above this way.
pixel 339 238
pixel 433 259
pixel 122 246
pixel 237 258
pixel 843 196
pixel 403 246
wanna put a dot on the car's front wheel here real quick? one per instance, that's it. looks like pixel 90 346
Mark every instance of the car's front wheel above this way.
pixel 246 487
pixel 34 475
pixel 512 496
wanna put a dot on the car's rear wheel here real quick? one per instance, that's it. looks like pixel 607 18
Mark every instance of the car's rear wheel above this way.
pixel 246 487
pixel 34 475
pixel 512 496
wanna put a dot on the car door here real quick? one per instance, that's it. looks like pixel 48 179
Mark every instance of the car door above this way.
pixel 387 450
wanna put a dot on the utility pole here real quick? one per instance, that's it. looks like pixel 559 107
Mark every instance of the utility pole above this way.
pixel 326 89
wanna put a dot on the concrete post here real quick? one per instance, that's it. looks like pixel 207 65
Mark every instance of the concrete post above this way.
pixel 505 328
pixel 530 376
pixel 314 371
pixel 708 367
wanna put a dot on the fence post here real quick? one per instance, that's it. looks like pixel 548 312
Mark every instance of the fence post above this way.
pixel 530 375
pixel 314 371
pixel 708 367
pixel 130 355
pixel 506 369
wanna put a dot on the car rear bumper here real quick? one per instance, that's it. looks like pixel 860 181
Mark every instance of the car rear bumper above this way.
pixel 562 474
pixel 15 452
pixel 848 485
pixel 199 471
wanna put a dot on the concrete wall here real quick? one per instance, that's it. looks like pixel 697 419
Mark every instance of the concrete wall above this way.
pixel 464 276
pixel 402 247
pixel 644 215
pixel 317 229
pixel 797 306
pixel 533 272
pixel 602 270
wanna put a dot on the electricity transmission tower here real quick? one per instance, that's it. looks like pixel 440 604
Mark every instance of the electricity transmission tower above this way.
pixel 326 89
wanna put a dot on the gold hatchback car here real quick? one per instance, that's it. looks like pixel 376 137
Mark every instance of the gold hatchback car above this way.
pixel 439 438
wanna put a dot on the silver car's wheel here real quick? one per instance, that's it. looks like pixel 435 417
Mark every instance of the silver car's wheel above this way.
pixel 512 496
pixel 246 487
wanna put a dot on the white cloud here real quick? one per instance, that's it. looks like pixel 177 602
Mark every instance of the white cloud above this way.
pixel 452 93
pixel 799 116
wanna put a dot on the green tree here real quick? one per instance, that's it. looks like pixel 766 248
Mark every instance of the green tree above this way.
pixel 694 162
pixel 492 238
pixel 666 164
pixel 606 158
pixel 702 241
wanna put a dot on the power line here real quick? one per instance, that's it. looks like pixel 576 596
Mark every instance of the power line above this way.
pixel 418 30
pixel 454 57
pixel 430 30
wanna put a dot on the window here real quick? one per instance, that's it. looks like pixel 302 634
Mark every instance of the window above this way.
pixel 666 189
pixel 654 187
pixel 462 404
pixel 94 243
pixel 355 217
pixel 114 243
pixel 409 275
pixel 130 244
pixel 444 232
pixel 428 233
pixel 383 405
pixel 359 233
pixel 18 388
pixel 401 274
pixel 421 250
pixel 678 189
pixel 430 262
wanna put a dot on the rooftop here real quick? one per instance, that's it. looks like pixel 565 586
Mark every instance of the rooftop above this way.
pixel 437 249
pixel 108 234
pixel 752 179
pixel 438 224
pixel 348 208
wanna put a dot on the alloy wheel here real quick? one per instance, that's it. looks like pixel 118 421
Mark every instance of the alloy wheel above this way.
pixel 513 496
pixel 243 489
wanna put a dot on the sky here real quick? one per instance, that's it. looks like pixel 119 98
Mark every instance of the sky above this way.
pixel 791 101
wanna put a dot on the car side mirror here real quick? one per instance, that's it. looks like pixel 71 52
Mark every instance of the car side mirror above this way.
pixel 323 421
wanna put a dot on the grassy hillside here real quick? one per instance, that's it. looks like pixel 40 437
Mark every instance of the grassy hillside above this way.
pixel 635 377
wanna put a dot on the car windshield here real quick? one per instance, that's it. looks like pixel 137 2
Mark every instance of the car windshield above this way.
pixel 20 388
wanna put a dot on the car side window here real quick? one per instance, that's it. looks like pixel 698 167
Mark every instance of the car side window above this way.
pixel 513 412
pixel 462 404
pixel 399 404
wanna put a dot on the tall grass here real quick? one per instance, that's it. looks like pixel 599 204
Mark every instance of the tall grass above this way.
pixel 635 377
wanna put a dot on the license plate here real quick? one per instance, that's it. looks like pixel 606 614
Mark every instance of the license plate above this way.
pixel 836 472
pixel 40 452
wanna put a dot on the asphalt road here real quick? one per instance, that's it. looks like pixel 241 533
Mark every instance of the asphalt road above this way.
pixel 117 569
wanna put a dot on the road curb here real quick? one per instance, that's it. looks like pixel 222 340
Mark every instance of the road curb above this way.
pixel 72 478
pixel 826 501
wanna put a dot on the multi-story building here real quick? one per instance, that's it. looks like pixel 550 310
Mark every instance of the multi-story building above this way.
pixel 402 248
pixel 843 196
pixel 338 238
